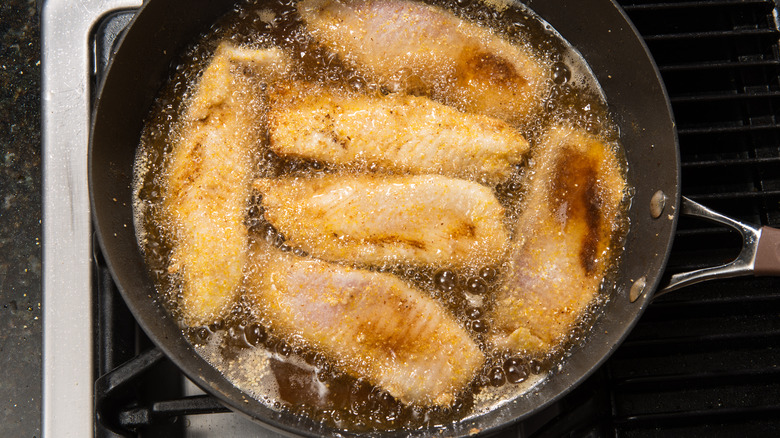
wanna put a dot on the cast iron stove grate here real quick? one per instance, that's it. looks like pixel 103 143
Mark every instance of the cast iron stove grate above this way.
pixel 703 361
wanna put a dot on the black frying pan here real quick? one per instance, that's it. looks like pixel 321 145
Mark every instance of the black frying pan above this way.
pixel 597 28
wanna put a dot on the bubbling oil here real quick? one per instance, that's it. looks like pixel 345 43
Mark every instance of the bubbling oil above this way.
pixel 284 373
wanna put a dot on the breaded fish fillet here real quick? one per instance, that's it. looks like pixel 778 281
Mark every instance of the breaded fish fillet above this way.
pixel 397 132
pixel 208 180
pixel 373 325
pixel 564 241
pixel 426 220
pixel 413 47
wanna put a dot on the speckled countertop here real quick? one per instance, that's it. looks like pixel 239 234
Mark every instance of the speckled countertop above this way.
pixel 20 220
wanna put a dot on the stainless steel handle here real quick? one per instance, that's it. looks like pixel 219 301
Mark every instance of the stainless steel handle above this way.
pixel 760 254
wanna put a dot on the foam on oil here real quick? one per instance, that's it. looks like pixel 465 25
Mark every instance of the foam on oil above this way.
pixel 282 373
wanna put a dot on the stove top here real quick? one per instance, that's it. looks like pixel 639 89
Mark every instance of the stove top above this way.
pixel 67 271
pixel 702 361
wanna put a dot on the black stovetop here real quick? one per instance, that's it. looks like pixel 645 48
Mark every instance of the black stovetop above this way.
pixel 703 361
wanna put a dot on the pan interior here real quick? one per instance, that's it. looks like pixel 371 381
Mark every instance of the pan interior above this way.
pixel 609 45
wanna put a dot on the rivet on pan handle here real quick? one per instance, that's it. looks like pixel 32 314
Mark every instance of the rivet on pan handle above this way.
pixel 760 253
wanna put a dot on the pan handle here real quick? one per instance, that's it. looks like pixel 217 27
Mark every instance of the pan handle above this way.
pixel 760 253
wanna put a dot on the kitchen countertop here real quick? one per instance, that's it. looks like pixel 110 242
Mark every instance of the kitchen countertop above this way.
pixel 20 219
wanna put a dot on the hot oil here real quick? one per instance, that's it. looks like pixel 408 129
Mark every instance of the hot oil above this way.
pixel 283 373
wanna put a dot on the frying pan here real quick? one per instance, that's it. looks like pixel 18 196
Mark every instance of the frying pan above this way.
pixel 634 91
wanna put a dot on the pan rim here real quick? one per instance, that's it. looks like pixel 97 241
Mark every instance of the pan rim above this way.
pixel 277 422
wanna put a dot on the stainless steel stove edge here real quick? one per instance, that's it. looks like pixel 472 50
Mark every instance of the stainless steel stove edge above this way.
pixel 67 293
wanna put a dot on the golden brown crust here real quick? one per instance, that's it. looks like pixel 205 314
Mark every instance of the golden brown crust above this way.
pixel 207 184
pixel 417 48
pixel 396 133
pixel 373 325
pixel 421 220
pixel 564 241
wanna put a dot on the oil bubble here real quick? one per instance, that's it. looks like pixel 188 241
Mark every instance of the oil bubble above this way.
pixel 515 370
pixel 560 73
pixel 476 286
pixel 255 334
pixel 497 376
pixel 445 280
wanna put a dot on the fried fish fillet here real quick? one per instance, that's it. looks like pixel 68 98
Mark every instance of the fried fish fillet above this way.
pixel 207 184
pixel 396 132
pixel 420 220
pixel 564 241
pixel 373 325
pixel 413 47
